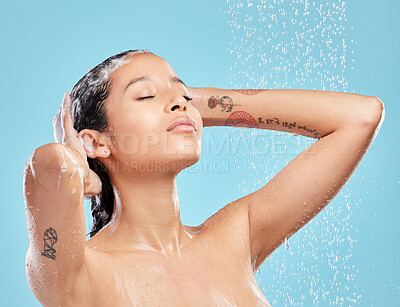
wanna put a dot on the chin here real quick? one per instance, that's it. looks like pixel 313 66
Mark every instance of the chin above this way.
pixel 181 161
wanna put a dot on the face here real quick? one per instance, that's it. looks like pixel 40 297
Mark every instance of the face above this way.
pixel 146 97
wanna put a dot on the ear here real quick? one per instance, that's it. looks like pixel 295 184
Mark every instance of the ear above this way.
pixel 94 143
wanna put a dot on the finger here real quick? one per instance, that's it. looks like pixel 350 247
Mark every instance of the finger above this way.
pixel 62 119
pixel 57 129
pixel 66 121
pixel 77 144
pixel 82 146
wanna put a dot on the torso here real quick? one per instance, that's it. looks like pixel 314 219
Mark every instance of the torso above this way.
pixel 212 270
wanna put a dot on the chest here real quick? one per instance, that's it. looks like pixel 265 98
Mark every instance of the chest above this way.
pixel 145 280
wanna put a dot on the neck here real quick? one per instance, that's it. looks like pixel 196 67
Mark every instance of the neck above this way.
pixel 146 213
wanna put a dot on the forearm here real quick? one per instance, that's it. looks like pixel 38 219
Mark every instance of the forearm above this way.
pixel 306 112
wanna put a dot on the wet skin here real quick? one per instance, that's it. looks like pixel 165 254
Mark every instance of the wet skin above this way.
pixel 145 255
pixel 213 268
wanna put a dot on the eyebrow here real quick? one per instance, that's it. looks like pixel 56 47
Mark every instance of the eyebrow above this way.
pixel 147 78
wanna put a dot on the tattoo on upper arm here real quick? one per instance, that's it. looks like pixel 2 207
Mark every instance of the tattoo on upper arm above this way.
pixel 49 238
pixel 225 102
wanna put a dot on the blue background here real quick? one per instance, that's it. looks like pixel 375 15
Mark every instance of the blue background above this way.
pixel 348 254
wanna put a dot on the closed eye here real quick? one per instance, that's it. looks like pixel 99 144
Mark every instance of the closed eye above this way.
pixel 148 97
pixel 145 97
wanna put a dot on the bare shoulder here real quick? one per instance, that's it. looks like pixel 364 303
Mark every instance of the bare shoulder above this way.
pixel 230 213
pixel 229 227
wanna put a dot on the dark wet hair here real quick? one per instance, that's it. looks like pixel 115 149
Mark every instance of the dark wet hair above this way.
pixel 88 99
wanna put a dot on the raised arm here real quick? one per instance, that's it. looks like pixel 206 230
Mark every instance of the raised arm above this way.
pixel 55 181
pixel 345 126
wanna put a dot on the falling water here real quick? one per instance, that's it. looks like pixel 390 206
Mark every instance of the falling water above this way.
pixel 297 44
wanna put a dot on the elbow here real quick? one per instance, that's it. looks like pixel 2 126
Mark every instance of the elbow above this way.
pixel 375 114
pixel 48 156
pixel 52 160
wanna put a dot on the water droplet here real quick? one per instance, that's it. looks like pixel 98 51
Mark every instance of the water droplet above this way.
pixel 287 243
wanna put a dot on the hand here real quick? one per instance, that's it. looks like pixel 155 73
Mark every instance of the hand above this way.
pixel 65 134
pixel 197 98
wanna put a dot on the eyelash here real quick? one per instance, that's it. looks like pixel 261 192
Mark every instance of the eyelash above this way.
pixel 146 97
pixel 143 98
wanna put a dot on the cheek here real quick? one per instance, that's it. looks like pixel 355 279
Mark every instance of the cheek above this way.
pixel 195 114
pixel 137 120
pixel 133 129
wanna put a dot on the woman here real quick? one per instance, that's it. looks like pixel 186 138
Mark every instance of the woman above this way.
pixel 128 128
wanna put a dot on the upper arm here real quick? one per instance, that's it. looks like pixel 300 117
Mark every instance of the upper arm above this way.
pixel 53 194
pixel 304 187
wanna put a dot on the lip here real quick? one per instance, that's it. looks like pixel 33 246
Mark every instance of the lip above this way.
pixel 184 123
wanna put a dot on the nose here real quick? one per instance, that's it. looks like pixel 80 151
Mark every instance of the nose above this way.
pixel 179 106
pixel 178 103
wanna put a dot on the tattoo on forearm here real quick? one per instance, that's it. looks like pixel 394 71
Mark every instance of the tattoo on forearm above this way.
pixel 49 238
pixel 225 102
pixel 241 117
pixel 249 91
pixel 276 121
